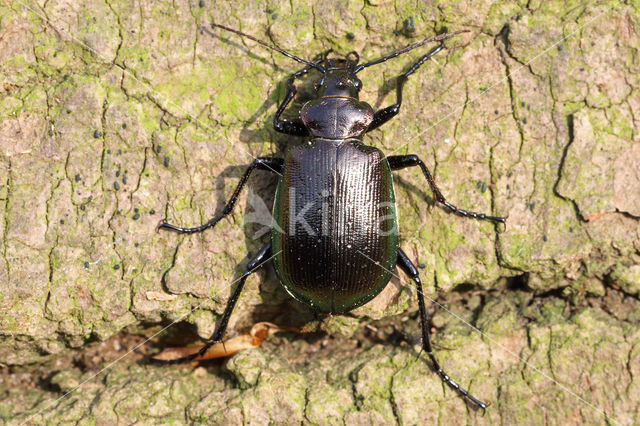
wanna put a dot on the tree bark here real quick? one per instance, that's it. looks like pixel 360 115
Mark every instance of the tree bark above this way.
pixel 115 115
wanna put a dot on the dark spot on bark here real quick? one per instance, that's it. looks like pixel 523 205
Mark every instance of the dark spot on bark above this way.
pixel 97 134
pixel 77 178
pixel 116 186
pixel 409 26
pixel 350 35
pixel 152 211
pixel 136 216
pixel 166 161
pixel 116 267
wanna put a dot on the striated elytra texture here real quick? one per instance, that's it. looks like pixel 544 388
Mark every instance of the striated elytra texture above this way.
pixel 116 114
pixel 341 254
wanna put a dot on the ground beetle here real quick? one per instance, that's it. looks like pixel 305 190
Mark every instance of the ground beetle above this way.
pixel 336 241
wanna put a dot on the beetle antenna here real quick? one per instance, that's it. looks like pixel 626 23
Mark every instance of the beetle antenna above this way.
pixel 408 48
pixel 270 46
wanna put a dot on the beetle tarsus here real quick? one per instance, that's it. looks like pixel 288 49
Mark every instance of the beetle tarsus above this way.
pixel 409 268
pixel 211 223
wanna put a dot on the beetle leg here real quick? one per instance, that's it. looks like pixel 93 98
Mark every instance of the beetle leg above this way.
pixel 397 162
pixel 261 163
pixel 409 268
pixel 383 115
pixel 291 127
pixel 252 266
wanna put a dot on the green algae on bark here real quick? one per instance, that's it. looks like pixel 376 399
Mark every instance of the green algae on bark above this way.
pixel 115 115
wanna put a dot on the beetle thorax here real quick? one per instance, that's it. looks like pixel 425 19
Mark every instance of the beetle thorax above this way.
pixel 337 117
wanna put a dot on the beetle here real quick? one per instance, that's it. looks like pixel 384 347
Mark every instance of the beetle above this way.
pixel 336 243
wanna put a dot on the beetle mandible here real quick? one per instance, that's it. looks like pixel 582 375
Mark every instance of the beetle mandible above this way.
pixel 349 253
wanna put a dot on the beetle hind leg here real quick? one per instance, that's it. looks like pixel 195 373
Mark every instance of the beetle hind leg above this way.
pixel 262 257
pixel 409 268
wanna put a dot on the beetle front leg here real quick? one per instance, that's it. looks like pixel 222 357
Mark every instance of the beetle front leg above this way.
pixel 253 265
pixel 290 127
pixel 382 116
pixel 397 162
pixel 260 163
pixel 409 268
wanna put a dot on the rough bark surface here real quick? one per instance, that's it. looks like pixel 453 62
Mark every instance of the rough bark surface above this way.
pixel 115 114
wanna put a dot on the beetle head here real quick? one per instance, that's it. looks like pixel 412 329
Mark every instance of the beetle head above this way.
pixel 339 78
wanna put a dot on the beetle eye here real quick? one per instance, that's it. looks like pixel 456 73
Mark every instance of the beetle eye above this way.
pixel 358 84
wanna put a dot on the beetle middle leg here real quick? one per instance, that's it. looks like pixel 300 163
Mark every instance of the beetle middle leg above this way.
pixel 382 116
pixel 261 163
pixel 253 265
pixel 409 268
pixel 397 162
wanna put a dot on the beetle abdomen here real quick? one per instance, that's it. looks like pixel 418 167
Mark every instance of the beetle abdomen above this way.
pixel 336 239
